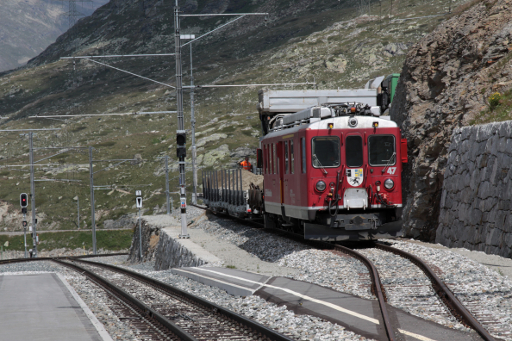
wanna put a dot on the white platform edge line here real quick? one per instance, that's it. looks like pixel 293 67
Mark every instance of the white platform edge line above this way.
pixel 97 324
pixel 216 280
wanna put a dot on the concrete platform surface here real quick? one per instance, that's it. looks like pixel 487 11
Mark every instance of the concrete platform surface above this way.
pixel 359 315
pixel 215 250
pixel 44 307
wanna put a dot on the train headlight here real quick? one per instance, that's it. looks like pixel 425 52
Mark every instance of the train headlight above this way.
pixel 321 186
pixel 389 184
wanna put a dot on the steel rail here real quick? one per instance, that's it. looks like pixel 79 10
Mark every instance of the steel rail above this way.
pixel 23 260
pixel 146 311
pixel 255 326
pixel 377 287
pixel 458 310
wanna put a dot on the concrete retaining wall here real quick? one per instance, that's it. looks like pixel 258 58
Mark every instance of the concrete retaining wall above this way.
pixel 476 202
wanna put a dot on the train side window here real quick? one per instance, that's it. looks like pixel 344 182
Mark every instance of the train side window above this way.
pixel 286 157
pixel 271 160
pixel 354 150
pixel 325 151
pixel 274 156
pixel 292 159
pixel 303 154
pixel 264 159
pixel 381 150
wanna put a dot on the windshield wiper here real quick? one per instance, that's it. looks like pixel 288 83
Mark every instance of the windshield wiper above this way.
pixel 389 162
pixel 322 167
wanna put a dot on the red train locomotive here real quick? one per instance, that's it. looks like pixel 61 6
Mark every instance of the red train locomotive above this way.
pixel 330 171
pixel 334 173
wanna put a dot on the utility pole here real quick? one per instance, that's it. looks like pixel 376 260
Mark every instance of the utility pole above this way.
pixel 167 183
pixel 33 195
pixel 180 133
pixel 77 211
pixel 93 220
pixel 193 124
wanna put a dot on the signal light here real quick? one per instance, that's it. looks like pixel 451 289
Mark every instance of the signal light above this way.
pixel 23 200
pixel 375 124
pixel 330 125
pixel 353 109
pixel 181 137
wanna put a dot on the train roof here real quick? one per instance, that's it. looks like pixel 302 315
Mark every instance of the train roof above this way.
pixel 343 122
pixel 341 115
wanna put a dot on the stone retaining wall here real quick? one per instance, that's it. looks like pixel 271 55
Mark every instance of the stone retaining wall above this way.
pixel 476 201
pixel 171 254
pixel 166 250
pixel 150 239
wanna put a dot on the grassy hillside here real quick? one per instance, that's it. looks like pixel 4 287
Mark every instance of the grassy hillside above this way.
pixel 327 41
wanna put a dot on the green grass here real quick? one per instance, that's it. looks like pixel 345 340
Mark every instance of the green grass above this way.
pixel 501 112
pixel 108 240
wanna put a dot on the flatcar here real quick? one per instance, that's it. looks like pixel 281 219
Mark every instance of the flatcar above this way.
pixel 333 172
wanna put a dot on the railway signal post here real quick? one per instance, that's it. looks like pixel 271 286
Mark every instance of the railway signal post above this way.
pixel 138 203
pixel 24 204
pixel 33 194
pixel 181 134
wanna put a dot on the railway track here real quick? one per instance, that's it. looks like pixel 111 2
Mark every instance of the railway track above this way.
pixel 464 307
pixel 149 323
pixel 22 260
pixel 432 292
pixel 193 316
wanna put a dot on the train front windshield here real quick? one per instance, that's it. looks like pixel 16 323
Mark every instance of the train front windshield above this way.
pixel 381 150
pixel 326 151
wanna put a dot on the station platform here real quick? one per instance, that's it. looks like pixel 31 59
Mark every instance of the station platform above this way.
pixel 359 315
pixel 44 307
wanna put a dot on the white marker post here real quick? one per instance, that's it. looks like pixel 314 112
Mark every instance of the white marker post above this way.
pixel 138 202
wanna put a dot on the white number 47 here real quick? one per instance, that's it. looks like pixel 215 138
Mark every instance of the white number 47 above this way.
pixel 391 170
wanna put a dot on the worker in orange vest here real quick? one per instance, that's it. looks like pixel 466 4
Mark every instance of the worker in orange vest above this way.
pixel 246 164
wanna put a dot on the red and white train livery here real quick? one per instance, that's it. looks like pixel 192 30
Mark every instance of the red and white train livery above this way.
pixel 333 173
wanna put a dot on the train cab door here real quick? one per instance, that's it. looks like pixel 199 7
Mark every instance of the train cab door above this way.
pixel 355 195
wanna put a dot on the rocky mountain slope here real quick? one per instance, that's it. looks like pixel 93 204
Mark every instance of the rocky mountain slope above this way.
pixel 447 80
pixel 329 41
pixel 29 26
